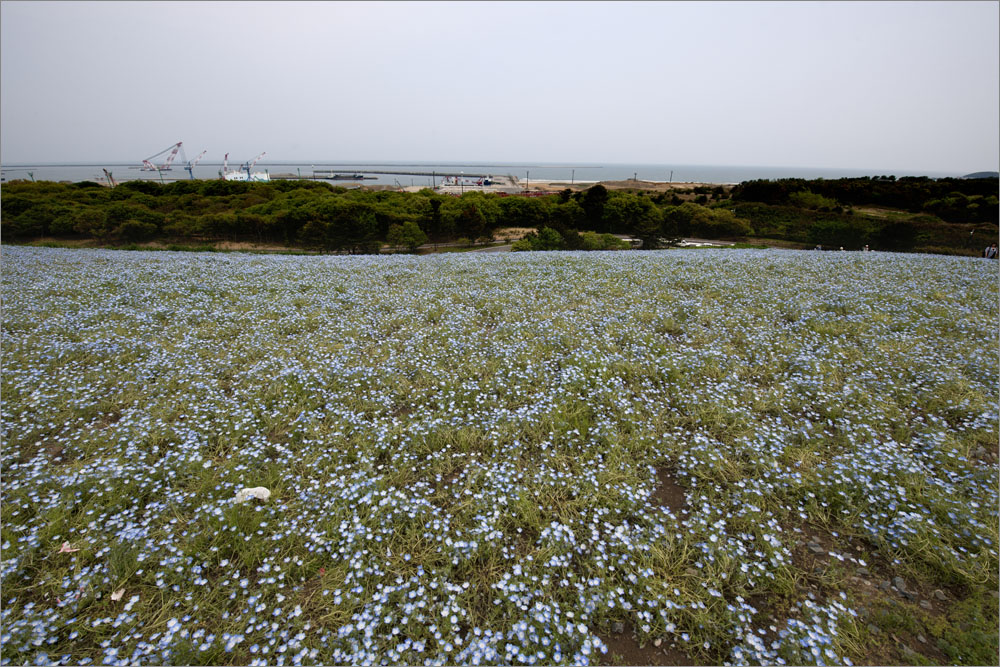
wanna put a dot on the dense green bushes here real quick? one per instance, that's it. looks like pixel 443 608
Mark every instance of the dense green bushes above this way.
pixel 690 219
pixel 950 199
pixel 949 213
pixel 309 214
pixel 548 238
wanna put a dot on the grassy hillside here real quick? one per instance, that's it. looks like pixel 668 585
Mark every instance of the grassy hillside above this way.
pixel 557 458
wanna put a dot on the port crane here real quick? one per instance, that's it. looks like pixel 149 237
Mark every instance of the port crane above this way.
pixel 147 164
pixel 239 175
pixel 247 166
pixel 191 165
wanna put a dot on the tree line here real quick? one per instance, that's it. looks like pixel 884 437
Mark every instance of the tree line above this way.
pixel 310 214
pixel 932 215
pixel 950 199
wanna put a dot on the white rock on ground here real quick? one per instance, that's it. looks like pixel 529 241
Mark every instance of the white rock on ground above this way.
pixel 258 492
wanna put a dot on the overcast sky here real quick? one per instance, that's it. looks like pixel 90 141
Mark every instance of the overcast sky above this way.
pixel 894 85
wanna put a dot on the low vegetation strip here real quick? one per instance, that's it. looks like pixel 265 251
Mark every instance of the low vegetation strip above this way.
pixel 943 216
pixel 745 456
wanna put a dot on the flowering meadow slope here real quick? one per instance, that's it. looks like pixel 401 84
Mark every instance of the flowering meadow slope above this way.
pixel 497 459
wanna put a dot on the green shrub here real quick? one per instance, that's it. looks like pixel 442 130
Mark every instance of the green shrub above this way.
pixel 136 230
pixel 811 200
pixel 595 241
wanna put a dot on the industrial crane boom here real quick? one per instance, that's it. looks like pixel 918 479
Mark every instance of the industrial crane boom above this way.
pixel 147 164
pixel 190 165
pixel 243 173
pixel 173 154
pixel 256 160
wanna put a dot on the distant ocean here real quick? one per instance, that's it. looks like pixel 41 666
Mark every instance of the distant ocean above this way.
pixel 426 172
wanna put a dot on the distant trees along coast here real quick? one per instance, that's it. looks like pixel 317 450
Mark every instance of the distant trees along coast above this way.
pixel 955 216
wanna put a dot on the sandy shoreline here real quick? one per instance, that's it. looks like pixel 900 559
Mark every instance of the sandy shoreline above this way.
pixel 557 186
pixel 656 186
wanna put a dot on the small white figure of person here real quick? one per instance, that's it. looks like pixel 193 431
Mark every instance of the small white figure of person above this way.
pixel 990 252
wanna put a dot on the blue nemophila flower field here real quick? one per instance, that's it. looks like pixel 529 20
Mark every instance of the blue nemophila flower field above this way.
pixel 486 459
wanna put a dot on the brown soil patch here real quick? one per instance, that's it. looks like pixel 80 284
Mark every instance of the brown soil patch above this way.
pixel 75 243
pixel 443 495
pixel 310 589
pixel 871 589
pixel 624 649
pixel 654 186
pixel 402 409
pixel 232 245
pixel 512 233
pixel 54 452
pixel 669 493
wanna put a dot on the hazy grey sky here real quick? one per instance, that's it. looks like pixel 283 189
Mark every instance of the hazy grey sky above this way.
pixel 894 85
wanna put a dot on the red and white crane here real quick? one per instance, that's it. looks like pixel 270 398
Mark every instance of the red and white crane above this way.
pixel 243 173
pixel 190 165
pixel 255 161
pixel 147 164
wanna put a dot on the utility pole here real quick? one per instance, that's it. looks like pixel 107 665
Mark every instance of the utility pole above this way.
pixel 573 177
pixel 527 180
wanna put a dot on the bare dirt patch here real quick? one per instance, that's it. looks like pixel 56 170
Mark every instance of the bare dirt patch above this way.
pixel 240 245
pixel 68 243
pixel 625 649
pixel 655 186
pixel 443 493
pixel 669 493
pixel 54 452
pixel 512 233
pixel 877 591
